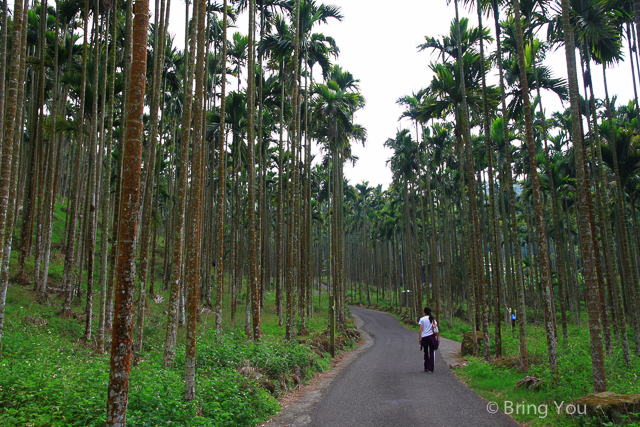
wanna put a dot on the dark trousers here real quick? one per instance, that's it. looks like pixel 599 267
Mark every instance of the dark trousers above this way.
pixel 429 346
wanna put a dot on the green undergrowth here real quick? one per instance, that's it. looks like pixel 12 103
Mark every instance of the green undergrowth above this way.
pixel 49 376
pixel 549 404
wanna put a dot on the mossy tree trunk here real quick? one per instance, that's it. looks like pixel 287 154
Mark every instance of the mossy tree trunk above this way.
pixel 121 344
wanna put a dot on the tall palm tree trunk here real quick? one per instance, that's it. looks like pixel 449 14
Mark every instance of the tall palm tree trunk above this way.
pixel 279 218
pixel 92 187
pixel 251 110
pixel 308 214
pixel 614 285
pixel 192 231
pixel 54 154
pixel 478 276
pixel 39 159
pixel 292 241
pixel 554 213
pixel 7 140
pixel 128 60
pixel 181 203
pixel 106 186
pixel 417 270
pixel 70 251
pixel 628 272
pixel 221 175
pixel 235 230
pixel 150 166
pixel 496 271
pixel 118 393
pixel 595 325
pixel 435 271
pixel 521 314
pixel 596 153
pixel 261 249
pixel 543 256
pixel 341 242
pixel 407 248
pixel 3 60
pixel 467 252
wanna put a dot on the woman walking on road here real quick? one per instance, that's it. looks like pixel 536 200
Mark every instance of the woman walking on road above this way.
pixel 428 339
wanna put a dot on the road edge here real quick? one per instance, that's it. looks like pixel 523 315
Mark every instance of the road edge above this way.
pixel 297 404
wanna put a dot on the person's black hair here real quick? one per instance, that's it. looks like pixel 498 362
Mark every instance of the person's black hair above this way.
pixel 427 312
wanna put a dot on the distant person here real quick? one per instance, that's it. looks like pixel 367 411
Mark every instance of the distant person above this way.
pixel 428 339
pixel 513 319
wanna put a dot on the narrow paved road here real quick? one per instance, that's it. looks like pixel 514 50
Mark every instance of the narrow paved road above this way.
pixel 386 386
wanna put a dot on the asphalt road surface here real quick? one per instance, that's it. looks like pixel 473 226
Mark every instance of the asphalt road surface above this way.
pixel 386 386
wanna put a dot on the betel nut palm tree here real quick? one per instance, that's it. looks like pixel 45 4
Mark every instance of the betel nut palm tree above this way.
pixel 122 326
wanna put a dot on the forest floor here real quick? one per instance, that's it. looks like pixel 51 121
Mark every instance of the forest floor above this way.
pixel 50 376
pixel 547 404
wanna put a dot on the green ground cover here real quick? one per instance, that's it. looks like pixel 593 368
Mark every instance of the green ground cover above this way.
pixel 48 376
pixel 496 380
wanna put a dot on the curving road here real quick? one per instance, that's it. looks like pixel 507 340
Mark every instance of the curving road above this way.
pixel 386 386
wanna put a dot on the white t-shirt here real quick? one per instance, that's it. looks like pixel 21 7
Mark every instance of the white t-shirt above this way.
pixel 427 326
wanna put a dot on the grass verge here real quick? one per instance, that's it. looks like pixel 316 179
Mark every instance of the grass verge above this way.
pixel 51 377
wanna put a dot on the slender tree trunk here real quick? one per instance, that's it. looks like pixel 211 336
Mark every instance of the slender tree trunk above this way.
pixel 521 314
pixel 122 328
pixel 595 325
pixel 39 177
pixel 92 188
pixel 434 253
pixel 623 245
pixel 70 252
pixel 615 286
pixel 478 276
pixel 279 220
pixel 7 142
pixel 128 60
pixel 54 155
pixel 106 185
pixel 251 109
pixel 3 61
pixel 468 270
pixel 221 175
pixel 308 214
pixel 150 165
pixel 177 270
pixel 7 215
pixel 192 258
pixel 291 265
pixel 496 272
pixel 34 162
pixel 596 153
pixel 556 222
pixel 235 234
